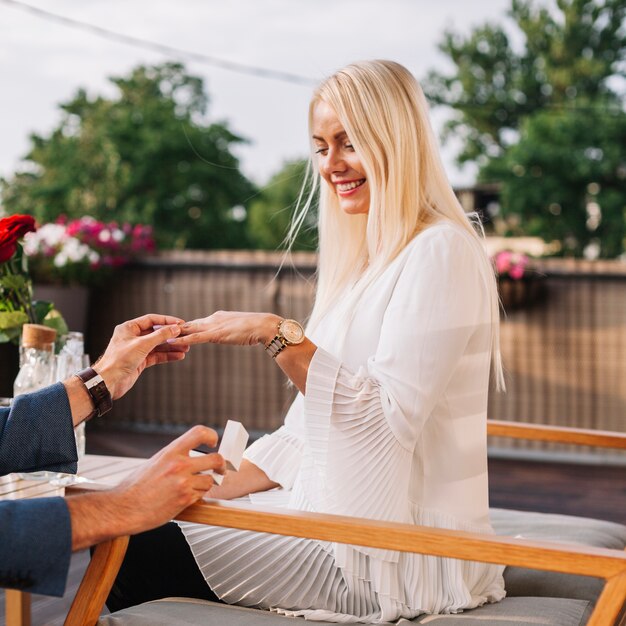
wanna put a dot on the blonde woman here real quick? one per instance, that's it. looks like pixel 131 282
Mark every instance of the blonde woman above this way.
pixel 393 372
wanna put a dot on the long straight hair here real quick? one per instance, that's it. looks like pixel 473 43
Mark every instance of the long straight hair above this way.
pixel 384 112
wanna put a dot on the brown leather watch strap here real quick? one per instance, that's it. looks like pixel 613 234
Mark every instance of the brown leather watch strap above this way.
pixel 97 389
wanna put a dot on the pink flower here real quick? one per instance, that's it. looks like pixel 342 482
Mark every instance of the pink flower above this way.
pixel 511 264
pixel 503 261
pixel 516 272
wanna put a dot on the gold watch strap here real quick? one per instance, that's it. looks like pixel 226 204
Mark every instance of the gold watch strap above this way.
pixel 276 346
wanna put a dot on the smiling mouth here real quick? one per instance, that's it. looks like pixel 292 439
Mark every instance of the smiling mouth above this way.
pixel 345 187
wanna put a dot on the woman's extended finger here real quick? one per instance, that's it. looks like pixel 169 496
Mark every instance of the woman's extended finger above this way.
pixel 195 338
pixel 194 326
pixel 150 320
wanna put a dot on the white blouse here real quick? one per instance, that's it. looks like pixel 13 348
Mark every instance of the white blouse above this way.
pixel 392 427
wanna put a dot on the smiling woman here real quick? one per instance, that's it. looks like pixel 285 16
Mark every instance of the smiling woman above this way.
pixel 337 161
pixel 393 373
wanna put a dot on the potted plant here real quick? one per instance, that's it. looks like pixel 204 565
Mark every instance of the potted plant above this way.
pixel 68 257
pixel 17 305
pixel 519 285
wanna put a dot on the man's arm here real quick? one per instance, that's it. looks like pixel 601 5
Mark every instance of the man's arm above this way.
pixel 134 346
pixel 169 482
pixel 36 433
pixel 38 535
pixel 35 545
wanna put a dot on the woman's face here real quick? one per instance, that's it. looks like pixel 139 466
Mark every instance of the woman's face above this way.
pixel 337 161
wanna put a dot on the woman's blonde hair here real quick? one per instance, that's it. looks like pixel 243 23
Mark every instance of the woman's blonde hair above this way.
pixel 385 115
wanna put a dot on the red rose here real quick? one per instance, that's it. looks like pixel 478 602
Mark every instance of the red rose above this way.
pixel 12 229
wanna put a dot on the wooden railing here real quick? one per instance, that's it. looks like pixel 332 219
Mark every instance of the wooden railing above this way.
pixel 564 355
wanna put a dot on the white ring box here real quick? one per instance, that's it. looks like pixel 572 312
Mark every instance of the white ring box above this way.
pixel 232 446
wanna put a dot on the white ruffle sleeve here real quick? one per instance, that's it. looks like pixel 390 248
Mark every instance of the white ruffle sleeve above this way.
pixel 279 455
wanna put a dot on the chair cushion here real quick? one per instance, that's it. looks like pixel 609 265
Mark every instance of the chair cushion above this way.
pixel 519 581
pixel 509 612
pixel 189 611
pixel 516 612
pixel 534 596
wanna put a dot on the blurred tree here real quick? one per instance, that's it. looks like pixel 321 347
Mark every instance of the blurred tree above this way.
pixel 271 212
pixel 146 155
pixel 565 180
pixel 516 103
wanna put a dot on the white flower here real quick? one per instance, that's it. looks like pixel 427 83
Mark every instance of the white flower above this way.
pixel 47 237
pixel 72 251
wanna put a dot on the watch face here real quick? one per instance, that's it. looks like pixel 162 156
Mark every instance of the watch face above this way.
pixel 292 331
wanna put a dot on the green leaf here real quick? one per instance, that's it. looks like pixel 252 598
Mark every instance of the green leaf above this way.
pixel 55 320
pixel 12 319
pixel 41 309
pixel 15 282
pixel 11 334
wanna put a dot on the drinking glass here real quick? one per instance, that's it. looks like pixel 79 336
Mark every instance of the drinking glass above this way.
pixel 79 431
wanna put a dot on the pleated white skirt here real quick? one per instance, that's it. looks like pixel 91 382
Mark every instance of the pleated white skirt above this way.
pixel 279 573
pixel 323 581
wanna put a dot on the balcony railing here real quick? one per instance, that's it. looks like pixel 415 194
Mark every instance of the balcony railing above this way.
pixel 564 355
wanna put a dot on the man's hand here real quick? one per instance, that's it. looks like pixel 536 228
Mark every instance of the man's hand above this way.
pixel 169 482
pixel 136 345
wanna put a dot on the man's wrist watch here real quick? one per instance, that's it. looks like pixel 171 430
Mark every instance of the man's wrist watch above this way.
pixel 290 333
pixel 97 389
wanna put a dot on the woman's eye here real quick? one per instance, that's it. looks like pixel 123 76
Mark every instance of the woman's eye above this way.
pixel 321 150
pixel 349 146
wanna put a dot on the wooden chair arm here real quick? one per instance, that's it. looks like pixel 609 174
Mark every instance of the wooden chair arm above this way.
pixel 553 556
pixel 572 559
pixel 560 434
pixel 97 582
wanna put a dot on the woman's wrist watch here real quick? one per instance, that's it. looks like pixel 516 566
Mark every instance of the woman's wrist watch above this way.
pixel 290 333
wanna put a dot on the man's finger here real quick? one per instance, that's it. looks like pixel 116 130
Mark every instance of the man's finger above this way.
pixel 150 341
pixel 157 358
pixel 204 462
pixel 193 438
pixel 202 483
pixel 171 347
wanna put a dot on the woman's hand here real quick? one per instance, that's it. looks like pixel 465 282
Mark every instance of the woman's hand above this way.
pixel 248 329
pixel 229 327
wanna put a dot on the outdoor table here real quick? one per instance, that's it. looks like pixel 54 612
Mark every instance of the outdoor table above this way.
pixel 95 471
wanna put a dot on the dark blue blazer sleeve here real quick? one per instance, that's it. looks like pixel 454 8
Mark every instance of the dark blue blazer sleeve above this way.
pixel 36 433
pixel 35 545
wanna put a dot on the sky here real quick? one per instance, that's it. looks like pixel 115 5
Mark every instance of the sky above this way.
pixel 43 63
